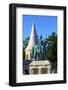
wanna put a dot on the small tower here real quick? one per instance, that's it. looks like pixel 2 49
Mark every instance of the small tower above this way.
pixel 33 41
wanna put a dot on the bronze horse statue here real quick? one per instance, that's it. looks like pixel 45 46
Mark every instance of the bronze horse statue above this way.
pixel 39 50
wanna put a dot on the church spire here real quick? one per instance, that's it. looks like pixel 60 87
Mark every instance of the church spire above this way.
pixel 32 42
pixel 33 38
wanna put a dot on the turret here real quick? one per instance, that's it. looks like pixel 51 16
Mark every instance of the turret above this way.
pixel 33 41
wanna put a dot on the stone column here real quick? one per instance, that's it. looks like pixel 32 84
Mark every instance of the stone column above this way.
pixel 30 70
pixel 49 69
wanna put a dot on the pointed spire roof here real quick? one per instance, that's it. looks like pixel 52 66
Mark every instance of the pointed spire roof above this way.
pixel 33 38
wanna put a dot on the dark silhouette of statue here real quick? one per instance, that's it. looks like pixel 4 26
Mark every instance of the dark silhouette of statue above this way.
pixel 39 51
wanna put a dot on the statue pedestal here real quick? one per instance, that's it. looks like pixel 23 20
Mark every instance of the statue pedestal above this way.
pixel 40 67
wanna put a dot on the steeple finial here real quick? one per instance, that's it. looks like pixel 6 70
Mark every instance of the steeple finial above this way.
pixel 33 38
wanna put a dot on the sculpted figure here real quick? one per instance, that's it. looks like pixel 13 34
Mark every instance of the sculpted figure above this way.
pixel 38 51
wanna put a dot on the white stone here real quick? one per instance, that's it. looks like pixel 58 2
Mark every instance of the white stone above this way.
pixel 33 41
pixel 40 65
pixel 41 62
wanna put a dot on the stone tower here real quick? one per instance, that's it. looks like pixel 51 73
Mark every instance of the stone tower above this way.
pixel 33 41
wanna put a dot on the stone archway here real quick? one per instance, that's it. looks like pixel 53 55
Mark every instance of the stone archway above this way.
pixel 34 70
pixel 44 70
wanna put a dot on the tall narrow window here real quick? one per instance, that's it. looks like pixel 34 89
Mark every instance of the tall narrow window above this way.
pixel 35 71
pixel 44 70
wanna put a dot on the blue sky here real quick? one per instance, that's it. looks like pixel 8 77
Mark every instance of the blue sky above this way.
pixel 45 25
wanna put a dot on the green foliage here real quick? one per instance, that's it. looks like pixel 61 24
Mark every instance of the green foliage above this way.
pixel 50 45
pixel 52 48
pixel 25 42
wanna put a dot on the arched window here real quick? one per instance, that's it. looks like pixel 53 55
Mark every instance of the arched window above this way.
pixel 35 71
pixel 44 70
